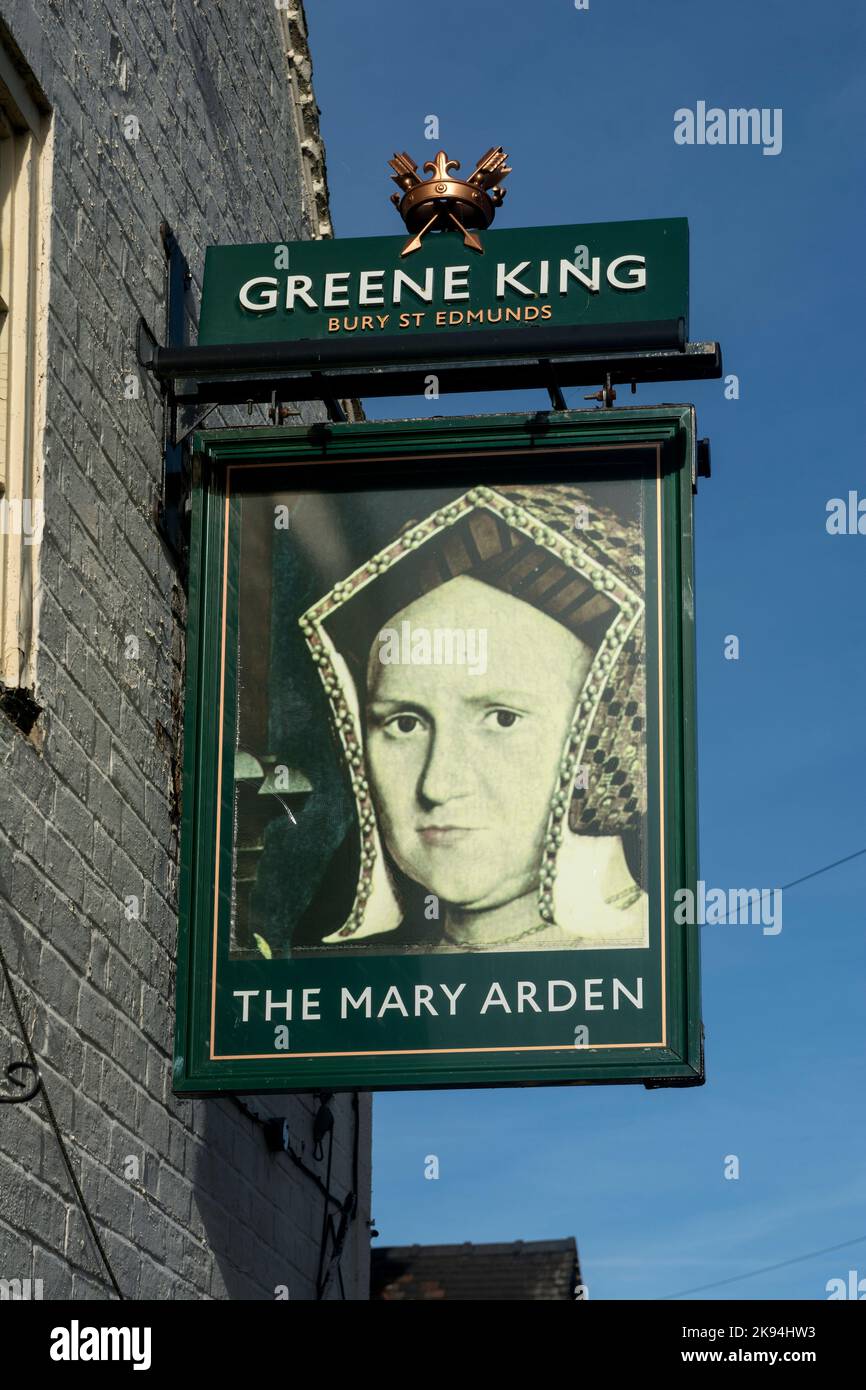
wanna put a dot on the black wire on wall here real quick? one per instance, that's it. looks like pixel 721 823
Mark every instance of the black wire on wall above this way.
pixel 323 1125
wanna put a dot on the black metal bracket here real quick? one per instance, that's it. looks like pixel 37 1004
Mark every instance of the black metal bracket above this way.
pixel 203 377
pixel 181 439
pixel 704 461
pixel 554 390
pixel 171 517
pixel 486 360
pixel 28 1092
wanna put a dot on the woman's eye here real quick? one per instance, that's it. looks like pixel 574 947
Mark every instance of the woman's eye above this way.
pixel 502 718
pixel 404 724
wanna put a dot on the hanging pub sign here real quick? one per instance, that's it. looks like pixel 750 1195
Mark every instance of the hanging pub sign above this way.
pixel 439 783
pixel 439 779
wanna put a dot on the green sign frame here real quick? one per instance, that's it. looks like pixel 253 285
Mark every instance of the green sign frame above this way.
pixel 221 1050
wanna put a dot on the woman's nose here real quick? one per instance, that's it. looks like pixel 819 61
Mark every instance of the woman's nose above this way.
pixel 447 773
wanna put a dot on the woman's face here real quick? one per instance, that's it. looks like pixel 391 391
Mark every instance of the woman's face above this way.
pixel 463 757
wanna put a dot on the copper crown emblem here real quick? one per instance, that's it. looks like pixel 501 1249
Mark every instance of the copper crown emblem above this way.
pixel 442 203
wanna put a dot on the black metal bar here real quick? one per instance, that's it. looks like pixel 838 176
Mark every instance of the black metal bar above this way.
pixel 170 514
pixel 554 391
pixel 699 362
pixel 427 348
pixel 704 461
pixel 331 404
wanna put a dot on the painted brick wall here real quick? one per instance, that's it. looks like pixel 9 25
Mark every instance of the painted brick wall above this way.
pixel 86 819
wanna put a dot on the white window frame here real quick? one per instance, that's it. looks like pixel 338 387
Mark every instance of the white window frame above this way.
pixel 25 177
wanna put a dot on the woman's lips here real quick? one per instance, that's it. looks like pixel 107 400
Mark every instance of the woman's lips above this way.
pixel 443 835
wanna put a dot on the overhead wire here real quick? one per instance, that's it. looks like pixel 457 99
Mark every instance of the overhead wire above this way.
pixel 766 1269
pixel 796 1259
pixel 784 887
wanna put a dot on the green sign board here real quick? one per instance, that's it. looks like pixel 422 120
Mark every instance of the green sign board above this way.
pixel 605 273
pixel 439 782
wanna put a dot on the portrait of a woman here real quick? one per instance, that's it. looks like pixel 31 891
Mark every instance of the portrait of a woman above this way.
pixel 484 673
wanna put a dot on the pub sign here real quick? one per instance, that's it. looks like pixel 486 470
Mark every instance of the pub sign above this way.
pixel 439 779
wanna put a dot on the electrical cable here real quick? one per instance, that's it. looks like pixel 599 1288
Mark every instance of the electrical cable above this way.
pixel 296 1159
pixel 348 1207
pixel 735 1279
pixel 42 1090
pixel 326 1214
pixel 339 1240
pixel 826 869
pixel 783 888
pixel 798 1258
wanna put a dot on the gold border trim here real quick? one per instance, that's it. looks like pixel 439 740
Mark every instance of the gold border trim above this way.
pixel 437 1051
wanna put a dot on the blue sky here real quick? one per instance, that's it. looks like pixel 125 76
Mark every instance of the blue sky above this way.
pixel 583 102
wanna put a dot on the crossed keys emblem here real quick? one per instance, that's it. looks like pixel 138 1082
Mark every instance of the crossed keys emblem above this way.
pixel 442 202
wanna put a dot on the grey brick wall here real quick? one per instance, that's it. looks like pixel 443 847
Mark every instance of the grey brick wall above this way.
pixel 205 1211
